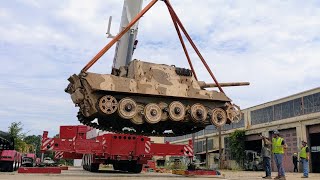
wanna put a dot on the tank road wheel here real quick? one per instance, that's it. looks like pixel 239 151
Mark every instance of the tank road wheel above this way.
pixel 233 113
pixel 198 113
pixel 164 107
pixel 152 113
pixel 177 111
pixel 138 118
pixel 218 117
pixel 108 104
pixel 127 108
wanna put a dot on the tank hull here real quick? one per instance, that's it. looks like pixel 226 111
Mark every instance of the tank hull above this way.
pixel 147 99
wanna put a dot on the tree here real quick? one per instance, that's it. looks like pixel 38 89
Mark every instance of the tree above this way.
pixel 15 130
pixel 237 145
pixel 34 144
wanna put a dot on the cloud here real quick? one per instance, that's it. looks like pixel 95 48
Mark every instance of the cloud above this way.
pixel 272 44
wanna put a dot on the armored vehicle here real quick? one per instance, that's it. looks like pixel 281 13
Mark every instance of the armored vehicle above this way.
pixel 146 98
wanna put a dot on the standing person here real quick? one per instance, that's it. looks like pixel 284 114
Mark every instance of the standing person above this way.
pixel 304 157
pixel 278 146
pixel 295 162
pixel 266 155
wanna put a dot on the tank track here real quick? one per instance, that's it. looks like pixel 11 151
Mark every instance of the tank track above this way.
pixel 151 131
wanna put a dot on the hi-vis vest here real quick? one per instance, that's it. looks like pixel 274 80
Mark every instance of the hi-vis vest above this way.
pixel 303 152
pixel 276 145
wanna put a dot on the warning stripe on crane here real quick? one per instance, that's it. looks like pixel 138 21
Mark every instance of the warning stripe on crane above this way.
pixel 188 151
pixel 47 143
pixel 74 141
pixel 58 155
pixel 147 146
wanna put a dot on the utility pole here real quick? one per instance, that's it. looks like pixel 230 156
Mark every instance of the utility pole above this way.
pixel 207 157
pixel 220 149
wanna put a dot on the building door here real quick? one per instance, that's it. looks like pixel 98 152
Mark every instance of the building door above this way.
pixel 314 145
pixel 253 142
pixel 290 137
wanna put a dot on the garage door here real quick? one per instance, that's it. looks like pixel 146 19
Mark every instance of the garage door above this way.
pixel 290 137
pixel 314 144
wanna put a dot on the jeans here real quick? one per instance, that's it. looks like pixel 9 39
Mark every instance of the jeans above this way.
pixel 267 165
pixel 305 167
pixel 295 168
pixel 278 160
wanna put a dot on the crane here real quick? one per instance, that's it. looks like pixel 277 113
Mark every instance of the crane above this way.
pixel 126 45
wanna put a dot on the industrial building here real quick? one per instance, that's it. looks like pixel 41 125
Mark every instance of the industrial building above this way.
pixel 297 117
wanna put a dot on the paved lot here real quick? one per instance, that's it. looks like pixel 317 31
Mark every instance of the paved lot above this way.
pixel 79 174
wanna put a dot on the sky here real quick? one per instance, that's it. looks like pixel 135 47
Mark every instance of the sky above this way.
pixel 274 45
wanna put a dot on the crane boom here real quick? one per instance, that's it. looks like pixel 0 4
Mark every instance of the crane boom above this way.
pixel 125 46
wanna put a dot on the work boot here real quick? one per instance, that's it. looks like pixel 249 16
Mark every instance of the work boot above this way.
pixel 304 177
pixel 282 178
pixel 277 177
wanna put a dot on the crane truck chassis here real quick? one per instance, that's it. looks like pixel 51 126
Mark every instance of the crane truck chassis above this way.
pixel 125 152
pixel 10 159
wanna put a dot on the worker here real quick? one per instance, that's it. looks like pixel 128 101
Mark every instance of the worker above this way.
pixel 266 155
pixel 304 158
pixel 295 162
pixel 278 147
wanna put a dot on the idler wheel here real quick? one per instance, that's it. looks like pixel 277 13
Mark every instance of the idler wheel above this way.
pixel 198 113
pixel 233 113
pixel 138 118
pixel 152 113
pixel 108 104
pixel 218 117
pixel 127 108
pixel 177 111
pixel 164 107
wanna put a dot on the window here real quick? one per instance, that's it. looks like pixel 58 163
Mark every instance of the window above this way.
pixel 297 107
pixel 288 109
pixel 188 136
pixel 210 144
pixel 200 133
pixel 199 146
pixel 227 127
pixel 210 129
pixel 240 124
pixel 263 115
pixel 311 103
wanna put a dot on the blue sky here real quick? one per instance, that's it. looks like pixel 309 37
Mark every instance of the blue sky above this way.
pixel 273 44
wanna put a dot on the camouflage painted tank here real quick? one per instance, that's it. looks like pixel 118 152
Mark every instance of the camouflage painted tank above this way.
pixel 149 99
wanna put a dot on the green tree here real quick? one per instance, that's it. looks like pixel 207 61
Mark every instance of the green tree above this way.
pixel 15 130
pixel 35 142
pixel 237 145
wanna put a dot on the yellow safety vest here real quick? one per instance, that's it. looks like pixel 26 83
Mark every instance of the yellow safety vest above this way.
pixel 276 145
pixel 303 152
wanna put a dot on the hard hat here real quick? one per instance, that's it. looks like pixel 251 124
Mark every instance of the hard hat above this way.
pixel 276 132
pixel 295 154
